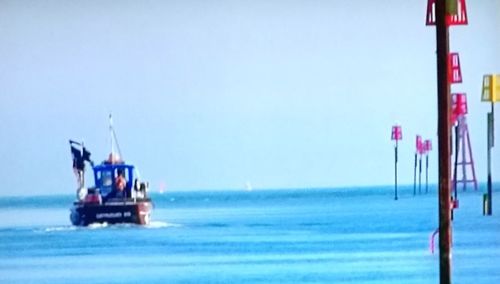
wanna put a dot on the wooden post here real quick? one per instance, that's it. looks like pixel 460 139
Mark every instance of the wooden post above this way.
pixel 443 87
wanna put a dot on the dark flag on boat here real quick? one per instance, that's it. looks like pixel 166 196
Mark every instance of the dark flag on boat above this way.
pixel 77 159
pixel 86 156
pixel 79 156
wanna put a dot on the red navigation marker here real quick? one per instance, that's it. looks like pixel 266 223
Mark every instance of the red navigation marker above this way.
pixel 427 146
pixel 454 71
pixel 458 106
pixel 419 145
pixel 457 15
pixel 397 133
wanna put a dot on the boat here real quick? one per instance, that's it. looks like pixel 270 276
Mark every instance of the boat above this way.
pixel 118 195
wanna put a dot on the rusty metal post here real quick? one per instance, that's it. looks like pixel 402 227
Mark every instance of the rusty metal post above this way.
pixel 444 131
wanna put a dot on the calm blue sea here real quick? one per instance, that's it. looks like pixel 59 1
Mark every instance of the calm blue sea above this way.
pixel 349 235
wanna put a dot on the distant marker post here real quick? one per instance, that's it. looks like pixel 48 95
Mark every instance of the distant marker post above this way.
pixel 415 175
pixel 418 151
pixel 420 174
pixel 396 135
pixel 427 148
pixel 491 94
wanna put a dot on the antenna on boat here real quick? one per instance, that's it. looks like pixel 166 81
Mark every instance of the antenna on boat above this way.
pixel 114 140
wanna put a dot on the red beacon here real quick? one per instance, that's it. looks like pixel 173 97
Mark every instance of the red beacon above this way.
pixel 427 146
pixel 459 106
pixel 419 145
pixel 397 133
pixel 454 71
pixel 456 13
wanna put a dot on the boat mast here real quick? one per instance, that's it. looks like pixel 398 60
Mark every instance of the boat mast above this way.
pixel 112 158
pixel 113 141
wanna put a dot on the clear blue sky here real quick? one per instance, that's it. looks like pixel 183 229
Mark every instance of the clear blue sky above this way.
pixel 214 94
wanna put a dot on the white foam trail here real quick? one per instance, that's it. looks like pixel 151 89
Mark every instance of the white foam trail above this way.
pixel 97 225
pixel 161 224
pixel 59 229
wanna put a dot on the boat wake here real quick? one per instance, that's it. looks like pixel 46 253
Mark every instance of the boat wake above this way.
pixel 151 225
pixel 94 226
pixel 161 224
pixel 58 229
pixel 97 226
pixel 72 228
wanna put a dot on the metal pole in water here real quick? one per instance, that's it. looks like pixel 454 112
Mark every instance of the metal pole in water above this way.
pixel 443 87
pixel 455 164
pixel 396 135
pixel 491 120
pixel 415 176
pixel 420 174
pixel 396 171
pixel 455 167
pixel 427 173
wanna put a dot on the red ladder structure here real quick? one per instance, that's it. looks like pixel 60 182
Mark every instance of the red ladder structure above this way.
pixel 465 160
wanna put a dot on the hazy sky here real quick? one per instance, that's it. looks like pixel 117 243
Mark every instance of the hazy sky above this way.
pixel 214 94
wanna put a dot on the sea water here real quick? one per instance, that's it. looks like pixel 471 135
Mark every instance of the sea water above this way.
pixel 348 235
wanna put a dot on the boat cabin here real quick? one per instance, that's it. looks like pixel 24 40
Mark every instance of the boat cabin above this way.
pixel 105 176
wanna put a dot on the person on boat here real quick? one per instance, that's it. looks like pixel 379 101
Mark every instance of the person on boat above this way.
pixel 120 183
